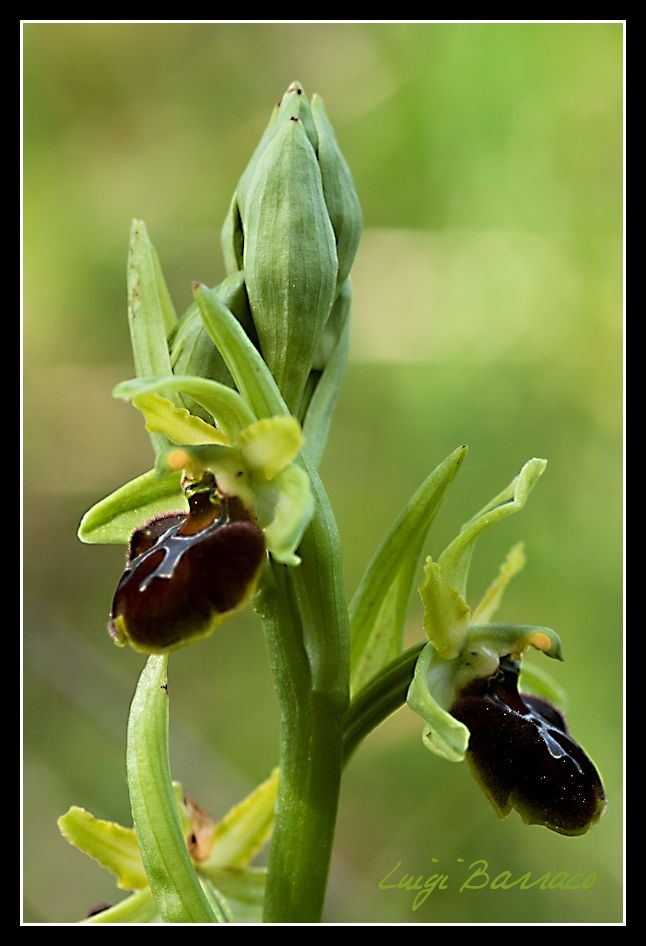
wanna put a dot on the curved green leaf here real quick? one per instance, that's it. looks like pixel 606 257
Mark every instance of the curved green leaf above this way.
pixel 244 890
pixel 170 873
pixel 378 608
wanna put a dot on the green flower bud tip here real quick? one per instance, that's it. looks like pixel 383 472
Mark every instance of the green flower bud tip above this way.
pixel 187 573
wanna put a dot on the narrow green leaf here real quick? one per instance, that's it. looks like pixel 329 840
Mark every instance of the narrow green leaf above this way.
pixel 227 408
pixel 443 735
pixel 113 520
pixel 138 908
pixel 244 830
pixel 318 418
pixel 376 638
pixel 243 888
pixel 150 311
pixel 250 373
pixel 170 873
pixel 111 845
pixel 456 558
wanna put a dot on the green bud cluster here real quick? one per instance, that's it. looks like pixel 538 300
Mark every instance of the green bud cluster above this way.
pixel 293 228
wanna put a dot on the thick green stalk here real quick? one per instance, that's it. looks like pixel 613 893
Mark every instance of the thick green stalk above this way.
pixel 306 625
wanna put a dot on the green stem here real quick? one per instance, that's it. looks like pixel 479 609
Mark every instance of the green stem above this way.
pixel 306 626
pixel 382 696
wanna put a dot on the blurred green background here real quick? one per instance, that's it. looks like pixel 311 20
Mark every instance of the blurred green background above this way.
pixel 488 304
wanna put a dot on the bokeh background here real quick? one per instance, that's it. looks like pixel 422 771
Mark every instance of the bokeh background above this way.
pixel 488 305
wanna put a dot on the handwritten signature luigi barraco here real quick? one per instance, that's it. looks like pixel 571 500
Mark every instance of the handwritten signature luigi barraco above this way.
pixel 478 876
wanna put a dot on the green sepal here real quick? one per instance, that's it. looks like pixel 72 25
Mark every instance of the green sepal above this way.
pixel 108 843
pixel 285 507
pixel 534 679
pixel 446 613
pixel 378 608
pixel 170 873
pixel 243 889
pixel 290 260
pixel 226 407
pixel 443 735
pixel 251 375
pixel 340 194
pixel 140 907
pixel 113 520
pixel 456 558
pixel 244 830
pixel 176 423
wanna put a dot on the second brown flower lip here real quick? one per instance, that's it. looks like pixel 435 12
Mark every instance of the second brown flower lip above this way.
pixel 523 756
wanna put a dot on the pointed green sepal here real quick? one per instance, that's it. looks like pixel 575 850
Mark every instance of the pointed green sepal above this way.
pixel 446 613
pixel 109 844
pixel 285 507
pixel 456 558
pixel 226 407
pixel 244 830
pixel 534 679
pixel 176 423
pixel 443 734
pixel 113 520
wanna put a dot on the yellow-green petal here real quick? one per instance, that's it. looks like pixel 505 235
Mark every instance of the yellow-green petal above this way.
pixel 176 423
pixel 490 601
pixel 109 844
pixel 285 507
pixel 269 445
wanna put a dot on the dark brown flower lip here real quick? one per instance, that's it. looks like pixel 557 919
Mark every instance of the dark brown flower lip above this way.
pixel 186 573
pixel 523 756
